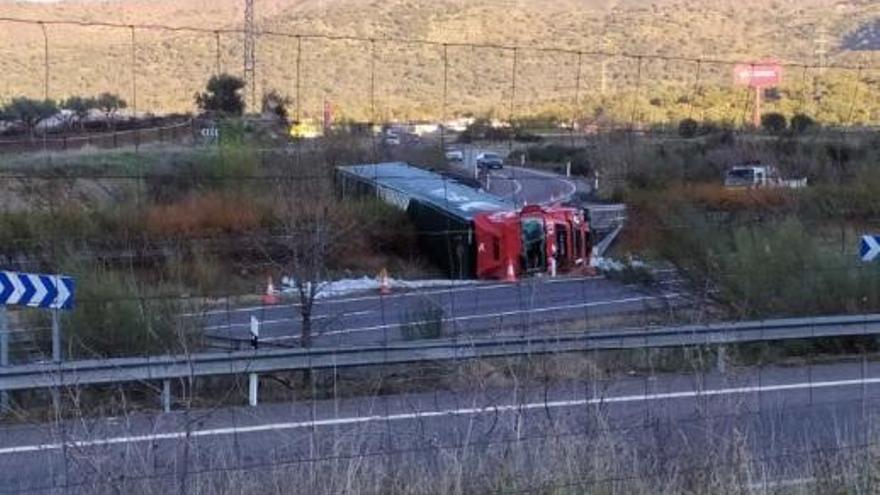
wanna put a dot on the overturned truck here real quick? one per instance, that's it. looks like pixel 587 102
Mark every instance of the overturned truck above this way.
pixel 470 233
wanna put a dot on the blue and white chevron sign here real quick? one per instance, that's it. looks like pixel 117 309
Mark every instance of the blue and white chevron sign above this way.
pixel 36 290
pixel 870 247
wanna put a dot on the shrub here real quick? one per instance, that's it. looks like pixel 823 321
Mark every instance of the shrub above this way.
pixel 203 215
pixel 687 128
pixel 115 315
pixel 773 122
pixel 275 104
pixel 222 95
pixel 773 268
pixel 801 123
pixel 555 153
pixel 425 321
pixel 526 137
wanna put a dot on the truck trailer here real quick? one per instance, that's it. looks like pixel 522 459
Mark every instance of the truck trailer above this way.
pixel 470 233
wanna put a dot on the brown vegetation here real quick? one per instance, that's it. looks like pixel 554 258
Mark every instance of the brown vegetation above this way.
pixel 204 215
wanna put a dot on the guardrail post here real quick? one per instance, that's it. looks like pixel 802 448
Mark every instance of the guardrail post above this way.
pixel 253 386
pixel 4 356
pixel 166 396
pixel 56 336
pixel 721 359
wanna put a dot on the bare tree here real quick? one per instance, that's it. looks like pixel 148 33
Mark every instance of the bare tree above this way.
pixel 308 245
pixel 315 223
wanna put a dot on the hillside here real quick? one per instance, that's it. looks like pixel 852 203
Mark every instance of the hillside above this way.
pixel 172 66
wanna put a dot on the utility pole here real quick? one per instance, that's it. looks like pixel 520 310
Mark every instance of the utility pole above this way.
pixel 250 54
pixel 603 85
pixel 821 49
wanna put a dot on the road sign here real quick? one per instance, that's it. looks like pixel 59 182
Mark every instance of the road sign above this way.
pixel 36 290
pixel 758 75
pixel 870 247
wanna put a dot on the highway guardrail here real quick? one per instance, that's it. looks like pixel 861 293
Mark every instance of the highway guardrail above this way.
pixel 120 370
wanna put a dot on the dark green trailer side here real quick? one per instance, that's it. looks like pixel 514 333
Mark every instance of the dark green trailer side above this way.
pixel 448 239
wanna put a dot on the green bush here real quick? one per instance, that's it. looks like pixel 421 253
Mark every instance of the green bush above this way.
pixel 774 123
pixel 117 315
pixel 775 268
pixel 555 153
pixel 425 321
pixel 801 123
pixel 688 128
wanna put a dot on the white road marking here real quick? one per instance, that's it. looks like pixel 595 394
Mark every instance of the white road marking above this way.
pixel 321 302
pixel 517 186
pixel 489 315
pixel 469 411
pixel 784 483
pixel 571 185
pixel 284 320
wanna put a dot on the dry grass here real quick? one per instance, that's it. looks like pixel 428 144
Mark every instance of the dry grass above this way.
pixel 171 67
pixel 717 197
pixel 203 215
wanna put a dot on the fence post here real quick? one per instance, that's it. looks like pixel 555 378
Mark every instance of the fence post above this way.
pixel 166 396
pixel 253 389
pixel 4 356
pixel 56 336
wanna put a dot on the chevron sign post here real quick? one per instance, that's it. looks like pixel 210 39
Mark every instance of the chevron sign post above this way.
pixel 54 292
pixel 36 291
pixel 870 247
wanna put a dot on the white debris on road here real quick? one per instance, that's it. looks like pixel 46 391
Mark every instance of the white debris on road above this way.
pixel 337 288
pixel 612 265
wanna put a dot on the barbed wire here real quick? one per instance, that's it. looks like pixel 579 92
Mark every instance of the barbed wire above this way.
pixel 410 41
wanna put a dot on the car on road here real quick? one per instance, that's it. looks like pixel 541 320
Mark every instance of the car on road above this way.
pixel 757 175
pixel 453 155
pixel 391 139
pixel 490 161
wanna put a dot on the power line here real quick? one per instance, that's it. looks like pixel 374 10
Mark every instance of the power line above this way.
pixel 250 51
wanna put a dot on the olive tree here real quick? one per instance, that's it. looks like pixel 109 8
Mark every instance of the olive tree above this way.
pixel 110 104
pixel 29 112
pixel 80 106
pixel 222 95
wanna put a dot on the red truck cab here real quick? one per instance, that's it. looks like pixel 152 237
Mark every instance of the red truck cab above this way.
pixel 537 239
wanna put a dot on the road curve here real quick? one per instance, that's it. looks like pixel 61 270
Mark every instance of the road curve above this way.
pixel 523 185
pixel 528 186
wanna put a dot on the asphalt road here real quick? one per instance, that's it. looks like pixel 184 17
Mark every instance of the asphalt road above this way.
pixel 477 309
pixel 523 185
pixel 487 308
pixel 778 419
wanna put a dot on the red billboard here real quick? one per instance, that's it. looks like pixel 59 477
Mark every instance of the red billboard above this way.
pixel 758 75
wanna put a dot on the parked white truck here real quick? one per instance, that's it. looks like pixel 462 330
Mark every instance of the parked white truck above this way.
pixel 757 175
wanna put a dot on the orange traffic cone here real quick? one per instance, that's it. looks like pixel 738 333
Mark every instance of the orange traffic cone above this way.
pixel 384 283
pixel 511 272
pixel 270 297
